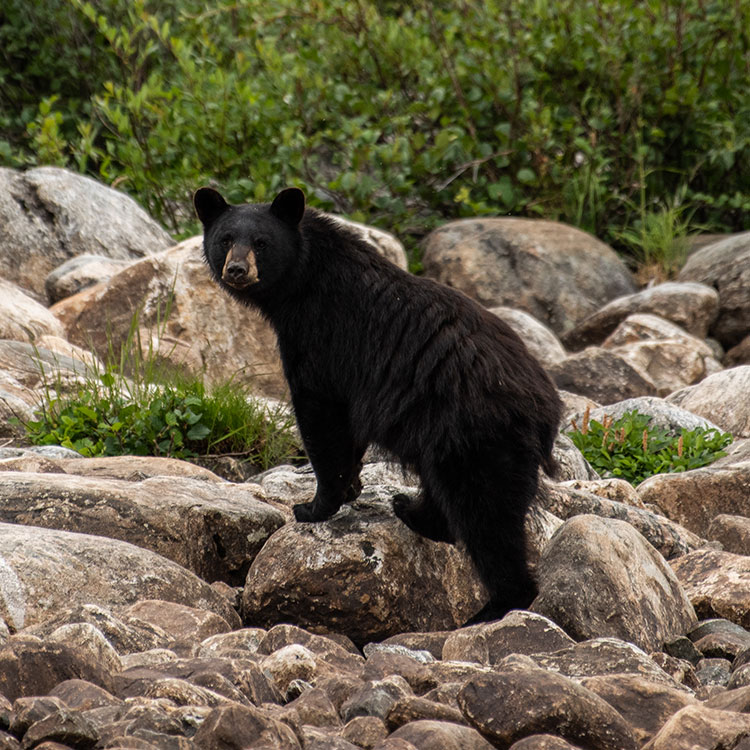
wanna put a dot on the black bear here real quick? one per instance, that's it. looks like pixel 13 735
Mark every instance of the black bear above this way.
pixel 373 354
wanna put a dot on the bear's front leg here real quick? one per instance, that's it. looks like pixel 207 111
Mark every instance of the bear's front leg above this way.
pixel 324 426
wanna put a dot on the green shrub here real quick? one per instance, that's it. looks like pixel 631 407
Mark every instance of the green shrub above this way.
pixel 176 420
pixel 137 405
pixel 631 449
pixel 403 115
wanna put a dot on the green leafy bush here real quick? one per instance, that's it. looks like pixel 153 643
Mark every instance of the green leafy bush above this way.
pixel 136 404
pixel 631 449
pixel 176 420
pixel 179 420
pixel 403 115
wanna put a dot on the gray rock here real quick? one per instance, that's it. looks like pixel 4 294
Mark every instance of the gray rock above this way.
pixel 557 273
pixel 725 266
pixel 384 242
pixel 22 318
pixel 375 698
pixel 78 273
pixel 573 466
pixel 600 577
pixel 601 375
pixel 723 397
pixel 663 413
pixel 42 571
pixel 508 706
pixel 227 524
pixel 691 306
pixel 48 215
pixel 539 339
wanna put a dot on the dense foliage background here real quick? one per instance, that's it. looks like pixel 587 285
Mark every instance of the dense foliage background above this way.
pixel 624 117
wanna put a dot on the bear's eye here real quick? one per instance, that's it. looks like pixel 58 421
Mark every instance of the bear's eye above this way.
pixel 260 244
pixel 226 241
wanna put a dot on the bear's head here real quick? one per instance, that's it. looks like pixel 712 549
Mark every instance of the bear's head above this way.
pixel 250 248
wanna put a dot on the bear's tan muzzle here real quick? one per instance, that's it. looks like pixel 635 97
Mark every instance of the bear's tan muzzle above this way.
pixel 240 269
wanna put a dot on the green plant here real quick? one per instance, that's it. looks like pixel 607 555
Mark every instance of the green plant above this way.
pixel 136 405
pixel 633 449
pixel 554 108
pixel 178 420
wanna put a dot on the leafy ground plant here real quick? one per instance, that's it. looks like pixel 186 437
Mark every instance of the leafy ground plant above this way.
pixel 110 414
pixel 632 449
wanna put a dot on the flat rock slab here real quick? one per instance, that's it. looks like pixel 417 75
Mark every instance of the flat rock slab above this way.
pixel 43 571
pixel 214 529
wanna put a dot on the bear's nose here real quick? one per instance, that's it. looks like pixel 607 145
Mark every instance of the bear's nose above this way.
pixel 235 271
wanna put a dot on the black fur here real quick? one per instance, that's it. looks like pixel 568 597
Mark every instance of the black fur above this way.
pixel 373 354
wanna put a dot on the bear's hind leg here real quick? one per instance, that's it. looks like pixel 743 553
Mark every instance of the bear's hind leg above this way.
pixel 423 516
pixel 486 505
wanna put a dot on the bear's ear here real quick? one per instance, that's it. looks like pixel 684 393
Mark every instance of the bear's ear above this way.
pixel 209 205
pixel 289 206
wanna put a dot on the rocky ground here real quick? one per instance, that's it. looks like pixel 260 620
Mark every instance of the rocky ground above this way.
pixel 149 603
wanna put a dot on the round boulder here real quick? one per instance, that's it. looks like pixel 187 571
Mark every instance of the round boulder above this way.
pixel 557 273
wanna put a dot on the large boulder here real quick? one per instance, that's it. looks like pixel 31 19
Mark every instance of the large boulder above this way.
pixel 600 577
pixel 557 273
pixel 214 529
pixel 725 266
pixel 43 571
pixel 694 498
pixel 356 573
pixel 183 316
pixel 48 215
